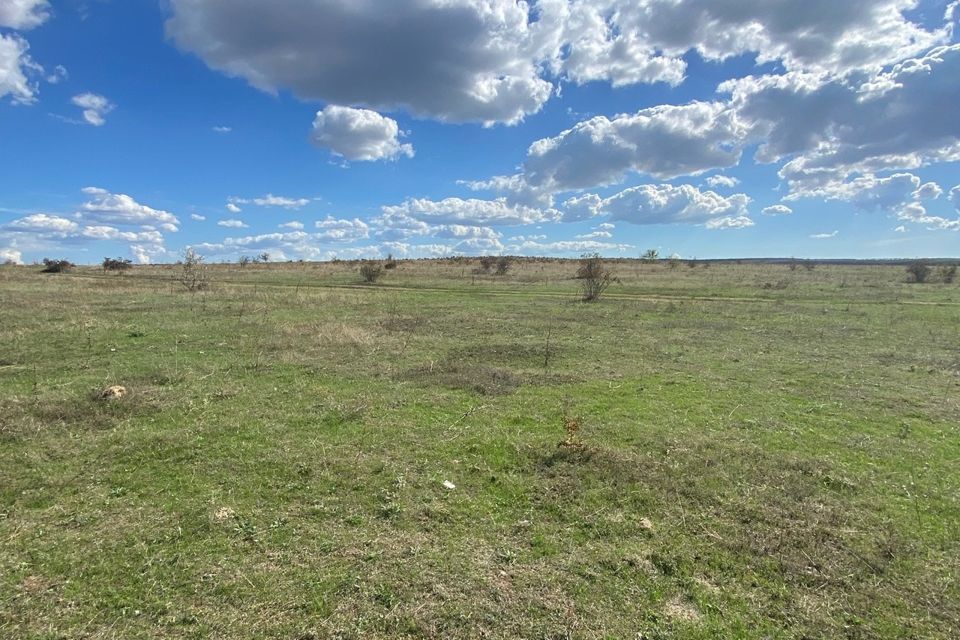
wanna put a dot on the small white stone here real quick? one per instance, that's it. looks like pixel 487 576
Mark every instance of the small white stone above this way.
pixel 449 485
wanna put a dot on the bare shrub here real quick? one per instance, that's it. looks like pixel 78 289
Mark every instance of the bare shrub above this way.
pixel 809 265
pixel 56 266
pixel 947 273
pixel 486 264
pixel 918 272
pixel 244 261
pixel 503 265
pixel 193 272
pixel 650 255
pixel 390 263
pixel 594 277
pixel 371 271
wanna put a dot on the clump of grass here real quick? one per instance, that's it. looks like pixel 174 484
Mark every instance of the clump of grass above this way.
pixel 482 379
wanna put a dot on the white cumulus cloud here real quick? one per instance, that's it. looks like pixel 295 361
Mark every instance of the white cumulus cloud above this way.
pixel 540 247
pixel 954 197
pixel 729 222
pixel 17 70
pixel 9 254
pixel 23 14
pixel 268 200
pixel 119 208
pixel 917 213
pixel 827 129
pixel 358 134
pixel 776 210
pixel 809 35
pixel 43 223
pixel 722 181
pixel 668 204
pixel 95 108
pixel 664 142
pixel 496 60
pixel 455 60
pixel 471 212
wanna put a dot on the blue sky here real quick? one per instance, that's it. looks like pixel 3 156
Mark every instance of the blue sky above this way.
pixel 320 128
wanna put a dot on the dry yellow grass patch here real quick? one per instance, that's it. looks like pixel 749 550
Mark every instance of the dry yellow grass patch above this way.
pixel 334 333
pixel 113 392
pixel 677 609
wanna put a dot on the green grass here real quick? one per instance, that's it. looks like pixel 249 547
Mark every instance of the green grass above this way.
pixel 766 454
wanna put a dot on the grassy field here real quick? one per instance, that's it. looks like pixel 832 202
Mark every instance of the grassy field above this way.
pixel 723 451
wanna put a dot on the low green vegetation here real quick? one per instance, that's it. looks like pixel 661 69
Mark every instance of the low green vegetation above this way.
pixel 719 451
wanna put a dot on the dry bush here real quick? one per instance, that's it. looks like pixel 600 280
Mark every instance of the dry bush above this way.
pixel 572 439
pixel 486 264
pixel 56 266
pixel 116 264
pixel 503 265
pixel 371 271
pixel 594 277
pixel 947 273
pixel 918 272
pixel 193 272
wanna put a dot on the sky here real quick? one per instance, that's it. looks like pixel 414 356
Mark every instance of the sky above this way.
pixel 320 129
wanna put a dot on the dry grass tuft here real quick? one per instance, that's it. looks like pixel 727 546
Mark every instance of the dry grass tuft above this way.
pixel 113 392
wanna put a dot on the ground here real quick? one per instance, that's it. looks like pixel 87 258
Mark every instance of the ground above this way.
pixel 714 450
